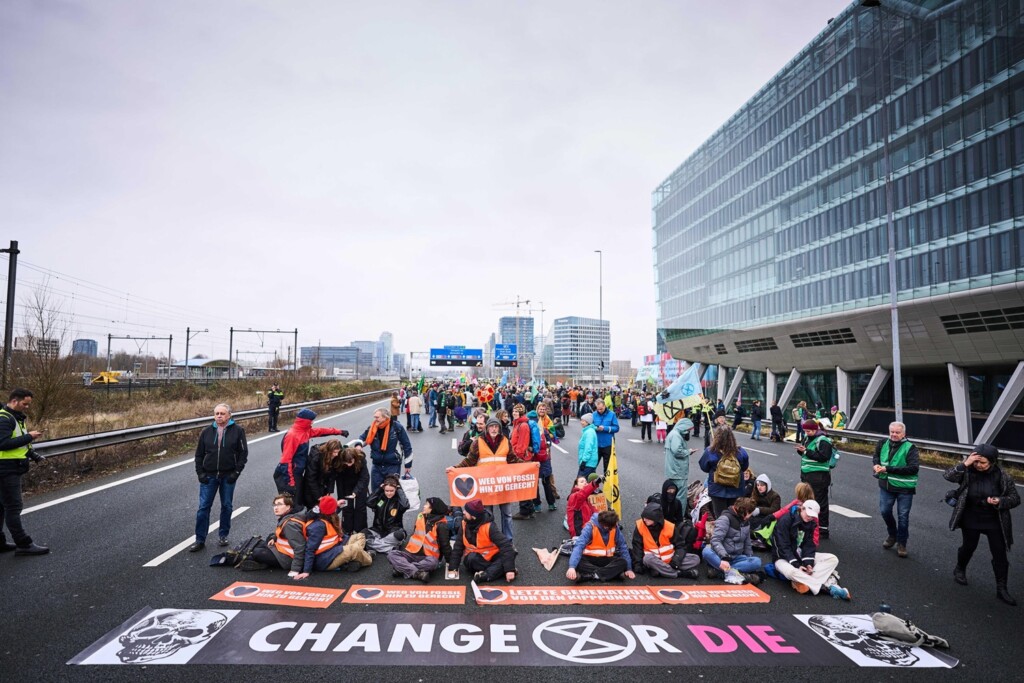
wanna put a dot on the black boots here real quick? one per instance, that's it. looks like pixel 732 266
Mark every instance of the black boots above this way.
pixel 960 575
pixel 1004 594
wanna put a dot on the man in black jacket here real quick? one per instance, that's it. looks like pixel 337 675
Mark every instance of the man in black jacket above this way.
pixel 660 546
pixel 15 452
pixel 274 399
pixel 220 459
pixel 482 547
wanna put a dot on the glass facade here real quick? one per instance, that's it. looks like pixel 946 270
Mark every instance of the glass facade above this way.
pixel 518 331
pixel 581 345
pixel 782 213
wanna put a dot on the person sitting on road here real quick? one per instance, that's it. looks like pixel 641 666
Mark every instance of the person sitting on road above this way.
pixel 312 541
pixel 579 508
pixel 600 552
pixel 796 556
pixel 730 545
pixel 389 503
pixel 266 556
pixel 429 543
pixel 672 508
pixel 481 547
pixel 768 502
pixel 660 545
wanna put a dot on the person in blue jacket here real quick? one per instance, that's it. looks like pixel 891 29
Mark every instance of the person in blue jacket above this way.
pixel 587 449
pixel 600 552
pixel 723 444
pixel 606 425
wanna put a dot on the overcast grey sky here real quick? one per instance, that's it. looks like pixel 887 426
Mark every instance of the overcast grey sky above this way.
pixel 352 167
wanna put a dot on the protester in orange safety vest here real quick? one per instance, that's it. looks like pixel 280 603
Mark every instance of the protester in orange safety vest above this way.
pixel 600 552
pixel 492 447
pixel 430 542
pixel 660 546
pixel 481 547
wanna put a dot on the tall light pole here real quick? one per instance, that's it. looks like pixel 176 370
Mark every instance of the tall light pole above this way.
pixel 12 273
pixel 885 62
pixel 600 296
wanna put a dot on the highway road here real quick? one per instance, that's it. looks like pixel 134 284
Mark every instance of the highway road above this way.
pixel 118 547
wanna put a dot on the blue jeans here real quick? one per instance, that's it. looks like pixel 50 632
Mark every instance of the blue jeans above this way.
pixel 506 518
pixel 415 421
pixel 741 563
pixel 206 494
pixel 378 473
pixel 585 471
pixel 432 412
pixel 756 432
pixel 898 527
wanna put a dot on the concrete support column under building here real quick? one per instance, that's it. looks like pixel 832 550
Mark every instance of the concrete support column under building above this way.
pixel 1008 400
pixel 878 379
pixel 769 387
pixel 721 383
pixel 960 390
pixel 787 391
pixel 843 390
pixel 735 386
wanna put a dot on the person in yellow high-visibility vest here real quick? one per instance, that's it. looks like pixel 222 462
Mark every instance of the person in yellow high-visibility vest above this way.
pixel 15 454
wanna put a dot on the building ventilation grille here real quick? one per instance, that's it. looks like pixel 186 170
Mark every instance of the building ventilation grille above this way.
pixel 984 321
pixel 721 349
pixel 751 345
pixel 823 338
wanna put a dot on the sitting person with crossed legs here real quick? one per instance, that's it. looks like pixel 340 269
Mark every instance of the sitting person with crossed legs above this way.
pixel 481 546
pixel 600 552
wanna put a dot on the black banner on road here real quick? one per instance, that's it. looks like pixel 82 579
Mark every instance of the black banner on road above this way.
pixel 283 638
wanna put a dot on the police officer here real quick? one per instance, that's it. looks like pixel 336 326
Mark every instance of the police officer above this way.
pixel 15 452
pixel 274 399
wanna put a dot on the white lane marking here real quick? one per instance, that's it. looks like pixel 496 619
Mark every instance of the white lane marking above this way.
pixel 80 494
pixel 160 559
pixel 455 444
pixel 847 512
pixel 560 448
pixel 635 440
pixel 774 455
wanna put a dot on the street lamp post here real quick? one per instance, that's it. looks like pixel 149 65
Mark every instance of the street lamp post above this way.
pixel 886 63
pixel 600 295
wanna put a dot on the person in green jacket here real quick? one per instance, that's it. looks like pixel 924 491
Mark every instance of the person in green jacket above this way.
pixel 896 465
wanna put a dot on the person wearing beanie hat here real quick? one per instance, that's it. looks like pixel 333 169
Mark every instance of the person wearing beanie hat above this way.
pixel 795 553
pixel 390 448
pixel 429 544
pixel 324 540
pixel 481 547
pixel 984 498
pixel 896 466
pixel 660 545
pixel 491 447
pixel 838 418
pixel 291 469
pixel 816 467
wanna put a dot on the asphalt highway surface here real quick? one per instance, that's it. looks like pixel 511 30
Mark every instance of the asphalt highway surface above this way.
pixel 118 547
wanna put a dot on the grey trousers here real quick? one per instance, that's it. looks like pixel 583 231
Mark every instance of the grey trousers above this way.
pixel 409 564
pixel 661 568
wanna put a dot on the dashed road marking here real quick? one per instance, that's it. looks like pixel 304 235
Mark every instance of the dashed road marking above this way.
pixel 847 512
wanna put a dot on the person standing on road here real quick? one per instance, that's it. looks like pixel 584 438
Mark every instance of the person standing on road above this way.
pixel 756 415
pixel 290 471
pixel 432 406
pixel 384 436
pixel 816 469
pixel 415 406
pixel 587 450
pixel 275 397
pixel 220 458
pixel 606 425
pixel 677 457
pixel 778 423
pixel 984 499
pixel 725 462
pixel 896 464
pixel 15 454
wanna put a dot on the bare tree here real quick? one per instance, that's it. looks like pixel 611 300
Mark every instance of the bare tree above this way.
pixel 39 365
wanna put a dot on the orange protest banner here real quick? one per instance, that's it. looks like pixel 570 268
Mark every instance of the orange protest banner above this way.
pixel 708 595
pixel 563 595
pixel 407 595
pixel 276 594
pixel 494 484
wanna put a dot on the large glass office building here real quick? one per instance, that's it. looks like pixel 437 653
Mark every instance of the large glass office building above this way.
pixel 771 241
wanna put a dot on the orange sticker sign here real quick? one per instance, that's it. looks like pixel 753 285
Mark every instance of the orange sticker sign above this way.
pixel 277 594
pixel 407 595
pixel 708 595
pixel 563 595
pixel 494 484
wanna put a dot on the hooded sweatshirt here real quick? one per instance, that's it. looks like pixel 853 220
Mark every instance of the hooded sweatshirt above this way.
pixel 506 552
pixel 672 507
pixel 770 502
pixel 295 446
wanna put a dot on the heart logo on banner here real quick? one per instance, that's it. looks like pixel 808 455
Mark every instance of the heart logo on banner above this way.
pixel 243 591
pixel 369 593
pixel 465 485
pixel 672 595
pixel 491 594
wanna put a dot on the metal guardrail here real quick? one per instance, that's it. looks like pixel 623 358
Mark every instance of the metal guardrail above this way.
pixel 941 446
pixel 75 444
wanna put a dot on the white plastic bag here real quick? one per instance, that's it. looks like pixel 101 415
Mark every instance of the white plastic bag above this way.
pixel 412 491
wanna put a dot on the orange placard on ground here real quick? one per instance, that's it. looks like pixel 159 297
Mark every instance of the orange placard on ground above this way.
pixel 407 595
pixel 708 595
pixel 494 484
pixel 563 595
pixel 278 594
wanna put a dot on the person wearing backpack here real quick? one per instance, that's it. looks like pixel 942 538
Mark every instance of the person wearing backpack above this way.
pixel 724 461
pixel 817 458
